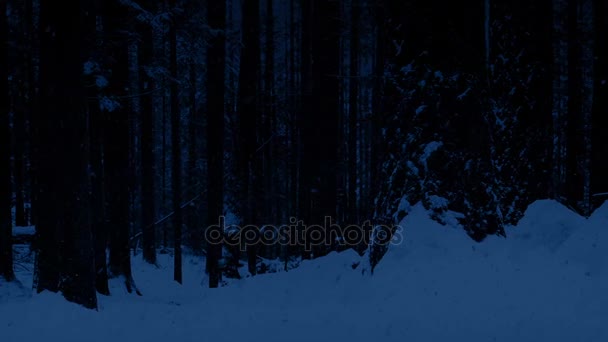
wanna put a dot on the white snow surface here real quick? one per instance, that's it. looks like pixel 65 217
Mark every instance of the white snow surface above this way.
pixel 547 281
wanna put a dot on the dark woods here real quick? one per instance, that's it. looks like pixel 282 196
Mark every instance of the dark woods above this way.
pixel 131 125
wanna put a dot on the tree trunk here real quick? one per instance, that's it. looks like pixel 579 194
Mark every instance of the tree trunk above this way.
pixel 303 121
pixel 133 102
pixel 560 97
pixel 486 28
pixel 599 122
pixel 65 260
pixel 215 137
pixel 248 114
pixel 21 113
pixel 194 170
pixel 587 53
pixel 116 149
pixel 176 172
pixel 148 166
pixel 19 167
pixel 267 143
pixel 6 249
pixel 32 94
pixel 96 124
pixel 353 116
pixel 367 69
pixel 323 145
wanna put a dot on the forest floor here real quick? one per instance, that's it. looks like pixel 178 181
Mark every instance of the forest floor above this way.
pixel 548 281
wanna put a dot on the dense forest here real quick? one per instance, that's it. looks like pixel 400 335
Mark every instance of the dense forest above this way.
pixel 138 126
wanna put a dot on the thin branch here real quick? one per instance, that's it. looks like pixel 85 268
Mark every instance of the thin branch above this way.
pixel 130 96
pixel 600 194
pixel 166 217
pixel 265 143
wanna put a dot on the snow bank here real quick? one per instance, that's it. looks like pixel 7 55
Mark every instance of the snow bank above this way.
pixel 546 281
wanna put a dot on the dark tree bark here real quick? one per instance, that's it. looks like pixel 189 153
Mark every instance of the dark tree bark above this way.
pixel 65 259
pixel 6 248
pixel 147 88
pixel 306 154
pixel 98 218
pixel 320 67
pixel 294 106
pixel 21 111
pixel 32 99
pixel 215 136
pixel 378 102
pixel 560 95
pixel 353 202
pixel 586 40
pixel 573 115
pixel 578 90
pixel 163 157
pixel 116 148
pixel 133 102
pixel 268 121
pixel 19 168
pixel 193 171
pixel 248 114
pixel 487 19
pixel 599 124
pixel 322 145
pixel 176 159
pixel 96 123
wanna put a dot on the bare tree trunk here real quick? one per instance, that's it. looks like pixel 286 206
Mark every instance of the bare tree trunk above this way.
pixel 269 120
pixel 21 112
pixel 305 173
pixel 487 32
pixel 560 97
pixel 66 258
pixel 117 147
pixel 587 53
pixel 6 248
pixel 193 223
pixel 323 145
pixel 600 124
pixel 32 102
pixel 176 159
pixel 266 173
pixel 96 124
pixel 134 105
pixel 215 137
pixel 19 167
pixel 248 115
pixel 148 166
pixel 353 116
pixel 293 96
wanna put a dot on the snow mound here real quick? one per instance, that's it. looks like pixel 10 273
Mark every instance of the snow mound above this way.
pixel 547 224
pixel 12 291
pixel 545 281
pixel 600 214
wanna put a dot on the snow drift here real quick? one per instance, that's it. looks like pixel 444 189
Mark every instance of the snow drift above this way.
pixel 546 281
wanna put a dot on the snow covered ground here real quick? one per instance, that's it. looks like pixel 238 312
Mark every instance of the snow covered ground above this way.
pixel 548 281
